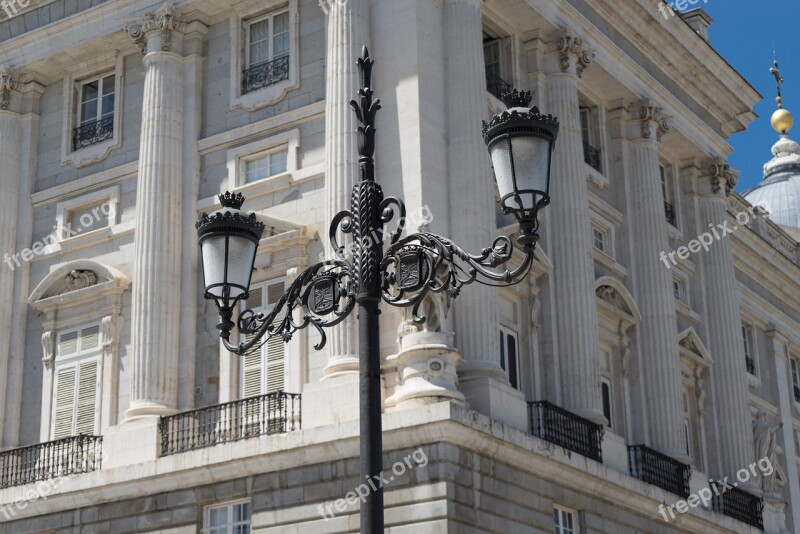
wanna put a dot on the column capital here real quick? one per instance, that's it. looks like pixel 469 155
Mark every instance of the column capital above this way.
pixel 655 123
pixel 572 50
pixel 720 175
pixel 159 24
pixel 9 80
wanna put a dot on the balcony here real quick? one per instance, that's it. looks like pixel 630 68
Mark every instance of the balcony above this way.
pixel 63 457
pixel 496 85
pixel 265 74
pixel 557 425
pixel 273 413
pixel 591 156
pixel 669 211
pixel 659 469
pixel 92 133
pixel 740 505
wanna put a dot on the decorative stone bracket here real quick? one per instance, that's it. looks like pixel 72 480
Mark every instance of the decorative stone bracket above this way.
pixel 8 82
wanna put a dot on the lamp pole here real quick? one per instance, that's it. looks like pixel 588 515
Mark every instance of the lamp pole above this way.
pixel 520 142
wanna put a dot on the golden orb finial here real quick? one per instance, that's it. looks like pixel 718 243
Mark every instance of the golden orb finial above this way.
pixel 782 120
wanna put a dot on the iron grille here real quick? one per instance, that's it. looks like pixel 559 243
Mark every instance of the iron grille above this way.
pixel 497 85
pixel 53 459
pixel 273 413
pixel 751 365
pixel 557 425
pixel 591 156
pixel 265 74
pixel 659 469
pixel 669 212
pixel 91 133
pixel 739 504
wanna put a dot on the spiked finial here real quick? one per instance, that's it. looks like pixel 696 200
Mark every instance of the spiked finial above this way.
pixel 230 200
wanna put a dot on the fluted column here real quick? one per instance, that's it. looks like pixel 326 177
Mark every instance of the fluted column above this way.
pixel 723 325
pixel 569 226
pixel 10 155
pixel 157 263
pixel 348 31
pixel 657 333
pixel 472 210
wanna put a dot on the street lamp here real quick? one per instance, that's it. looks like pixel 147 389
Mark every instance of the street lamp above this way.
pixel 520 141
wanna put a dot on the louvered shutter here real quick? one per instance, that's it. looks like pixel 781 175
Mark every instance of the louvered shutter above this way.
pixel 90 338
pixel 64 402
pixel 251 371
pixel 68 344
pixel 275 366
pixel 86 406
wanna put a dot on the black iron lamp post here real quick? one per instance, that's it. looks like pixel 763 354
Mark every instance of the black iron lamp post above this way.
pixel 520 142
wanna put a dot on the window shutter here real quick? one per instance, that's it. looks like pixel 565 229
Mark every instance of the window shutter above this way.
pixel 256 299
pixel 275 365
pixel 90 338
pixel 68 344
pixel 274 293
pixel 251 371
pixel 87 398
pixel 64 402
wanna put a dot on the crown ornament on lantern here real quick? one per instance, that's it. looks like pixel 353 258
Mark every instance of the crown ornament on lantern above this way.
pixel 231 200
pixel 517 99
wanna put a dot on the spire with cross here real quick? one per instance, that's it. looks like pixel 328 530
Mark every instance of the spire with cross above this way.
pixel 778 79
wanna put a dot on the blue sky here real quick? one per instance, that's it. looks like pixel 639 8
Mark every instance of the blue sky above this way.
pixel 744 33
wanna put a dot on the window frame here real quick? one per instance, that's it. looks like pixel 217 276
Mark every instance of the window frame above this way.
pixel 100 67
pixel 749 344
pixel 505 332
pixel 80 121
pixel 206 529
pixel 608 384
pixel 794 369
pixel 247 38
pixel 239 25
pixel 268 154
pixel 238 157
pixel 558 515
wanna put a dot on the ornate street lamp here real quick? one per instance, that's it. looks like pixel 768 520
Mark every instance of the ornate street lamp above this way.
pixel 520 142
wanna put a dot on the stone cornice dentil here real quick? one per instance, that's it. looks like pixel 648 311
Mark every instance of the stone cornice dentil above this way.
pixel 567 43
pixel 648 112
pixel 720 174
pixel 163 21
pixel 8 81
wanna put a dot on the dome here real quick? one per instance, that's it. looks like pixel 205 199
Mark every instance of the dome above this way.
pixel 779 192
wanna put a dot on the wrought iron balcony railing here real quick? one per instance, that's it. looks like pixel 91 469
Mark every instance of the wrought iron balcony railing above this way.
pixel 91 133
pixel 496 85
pixel 591 156
pixel 669 211
pixel 273 413
pixel 741 505
pixel 60 458
pixel 557 425
pixel 659 469
pixel 265 74
pixel 751 365
pixel 796 390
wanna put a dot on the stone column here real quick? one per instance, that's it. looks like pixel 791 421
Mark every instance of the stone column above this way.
pixel 10 155
pixel 348 31
pixel 155 328
pixel 472 211
pixel 723 326
pixel 569 225
pixel 657 333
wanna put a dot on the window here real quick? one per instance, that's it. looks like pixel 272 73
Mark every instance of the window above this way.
pixel 679 289
pixel 231 518
pixel 687 434
pixel 267 61
pixel 795 380
pixel 263 368
pixel 605 387
pixel 591 153
pixel 493 62
pixel 666 191
pixel 564 521
pixel 265 166
pixel 76 388
pixel 600 239
pixel 95 121
pixel 509 355
pixel 749 348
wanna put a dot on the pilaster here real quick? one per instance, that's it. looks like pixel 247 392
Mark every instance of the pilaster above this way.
pixel 156 323
pixel 569 226
pixel 657 338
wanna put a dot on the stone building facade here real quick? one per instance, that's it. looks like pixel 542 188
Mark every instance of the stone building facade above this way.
pixel 609 392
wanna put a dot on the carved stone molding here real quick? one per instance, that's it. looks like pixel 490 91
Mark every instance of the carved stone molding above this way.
pixel 8 82
pixel 653 119
pixel 721 175
pixel 612 296
pixel 81 279
pixel 48 348
pixel 568 43
pixel 162 21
